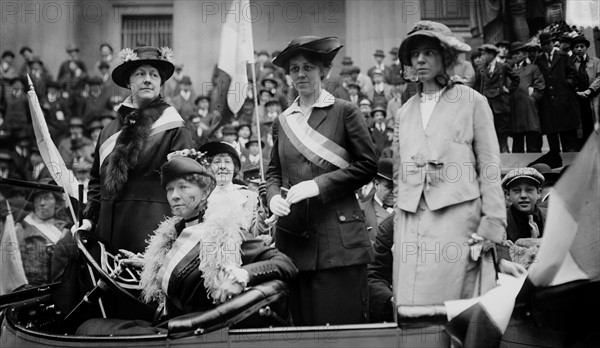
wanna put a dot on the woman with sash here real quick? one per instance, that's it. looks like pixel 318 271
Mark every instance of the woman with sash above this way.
pixel 37 231
pixel 322 153
pixel 125 200
pixel 199 258
pixel 446 178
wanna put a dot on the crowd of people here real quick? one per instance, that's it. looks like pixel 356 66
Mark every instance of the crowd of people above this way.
pixel 353 166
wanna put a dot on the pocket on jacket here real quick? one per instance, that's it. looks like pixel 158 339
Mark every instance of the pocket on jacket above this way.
pixel 353 230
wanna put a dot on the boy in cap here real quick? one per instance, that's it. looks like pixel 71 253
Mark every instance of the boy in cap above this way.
pixel 525 220
pixel 523 188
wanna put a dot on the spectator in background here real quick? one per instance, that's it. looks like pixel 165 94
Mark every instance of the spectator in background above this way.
pixel 564 44
pixel 7 68
pixel 28 56
pixel 76 145
pixel 524 118
pixel 533 50
pixel 386 71
pixel 364 81
pixel 463 71
pixel 381 204
pixel 354 95
pixel 588 85
pixel 496 81
pixel 395 68
pixel 365 108
pixel 271 83
pixel 16 114
pixel 183 102
pixel 171 88
pixel 73 69
pixel 106 61
pixel 94 99
pixel 503 50
pixel 559 99
pixel 56 111
pixel 382 92
pixel 380 139
pixel 379 273
pixel 394 104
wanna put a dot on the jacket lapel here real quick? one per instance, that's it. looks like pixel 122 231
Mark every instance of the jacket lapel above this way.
pixel 317 116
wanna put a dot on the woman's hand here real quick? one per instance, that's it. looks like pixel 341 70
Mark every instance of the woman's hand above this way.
pixel 512 268
pixel 86 225
pixel 279 206
pixel 237 279
pixel 303 190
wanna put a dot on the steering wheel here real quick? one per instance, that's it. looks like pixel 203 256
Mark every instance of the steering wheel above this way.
pixel 104 261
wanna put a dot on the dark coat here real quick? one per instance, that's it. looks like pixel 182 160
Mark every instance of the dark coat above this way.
pixel 559 110
pixel 379 273
pixel 262 263
pixel 126 220
pixel 491 86
pixel 518 225
pixel 524 112
pixel 380 140
pixel 336 232
pixel 374 214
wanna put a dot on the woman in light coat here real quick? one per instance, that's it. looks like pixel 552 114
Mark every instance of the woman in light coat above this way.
pixel 447 178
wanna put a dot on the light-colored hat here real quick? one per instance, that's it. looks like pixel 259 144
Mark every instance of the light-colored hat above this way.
pixel 434 30
pixel 522 173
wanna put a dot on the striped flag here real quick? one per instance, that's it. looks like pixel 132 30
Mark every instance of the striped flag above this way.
pixel 570 249
pixel 52 158
pixel 12 272
pixel 237 49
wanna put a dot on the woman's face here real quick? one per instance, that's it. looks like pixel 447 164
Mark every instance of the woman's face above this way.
pixel 223 167
pixel 44 205
pixel 426 59
pixel 306 76
pixel 185 198
pixel 144 84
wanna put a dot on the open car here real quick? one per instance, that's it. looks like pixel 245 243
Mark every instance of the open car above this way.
pixel 102 286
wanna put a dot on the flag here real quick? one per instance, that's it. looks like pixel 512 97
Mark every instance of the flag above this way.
pixel 52 158
pixel 570 248
pixel 12 272
pixel 237 49
pixel 481 321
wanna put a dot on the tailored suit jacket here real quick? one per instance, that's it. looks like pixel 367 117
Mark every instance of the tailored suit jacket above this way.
pixel 558 108
pixel 335 225
pixel 374 214
pixel 491 86
pixel 453 160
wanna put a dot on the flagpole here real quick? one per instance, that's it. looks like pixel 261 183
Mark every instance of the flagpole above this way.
pixel 58 182
pixel 260 152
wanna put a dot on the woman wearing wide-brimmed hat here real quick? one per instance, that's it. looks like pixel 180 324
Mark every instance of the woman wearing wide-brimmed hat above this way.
pixel 322 153
pixel 446 177
pixel 125 200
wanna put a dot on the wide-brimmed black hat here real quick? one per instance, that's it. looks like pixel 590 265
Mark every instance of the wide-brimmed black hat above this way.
pixel 580 39
pixel 160 58
pixel 327 47
pixel 181 166
pixel 216 147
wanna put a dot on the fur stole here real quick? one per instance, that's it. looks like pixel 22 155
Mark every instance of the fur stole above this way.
pixel 129 145
pixel 219 248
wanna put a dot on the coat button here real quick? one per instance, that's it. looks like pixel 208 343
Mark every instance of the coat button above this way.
pixel 342 218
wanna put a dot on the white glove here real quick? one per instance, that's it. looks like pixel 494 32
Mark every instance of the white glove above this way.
pixel 279 206
pixel 86 225
pixel 302 190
